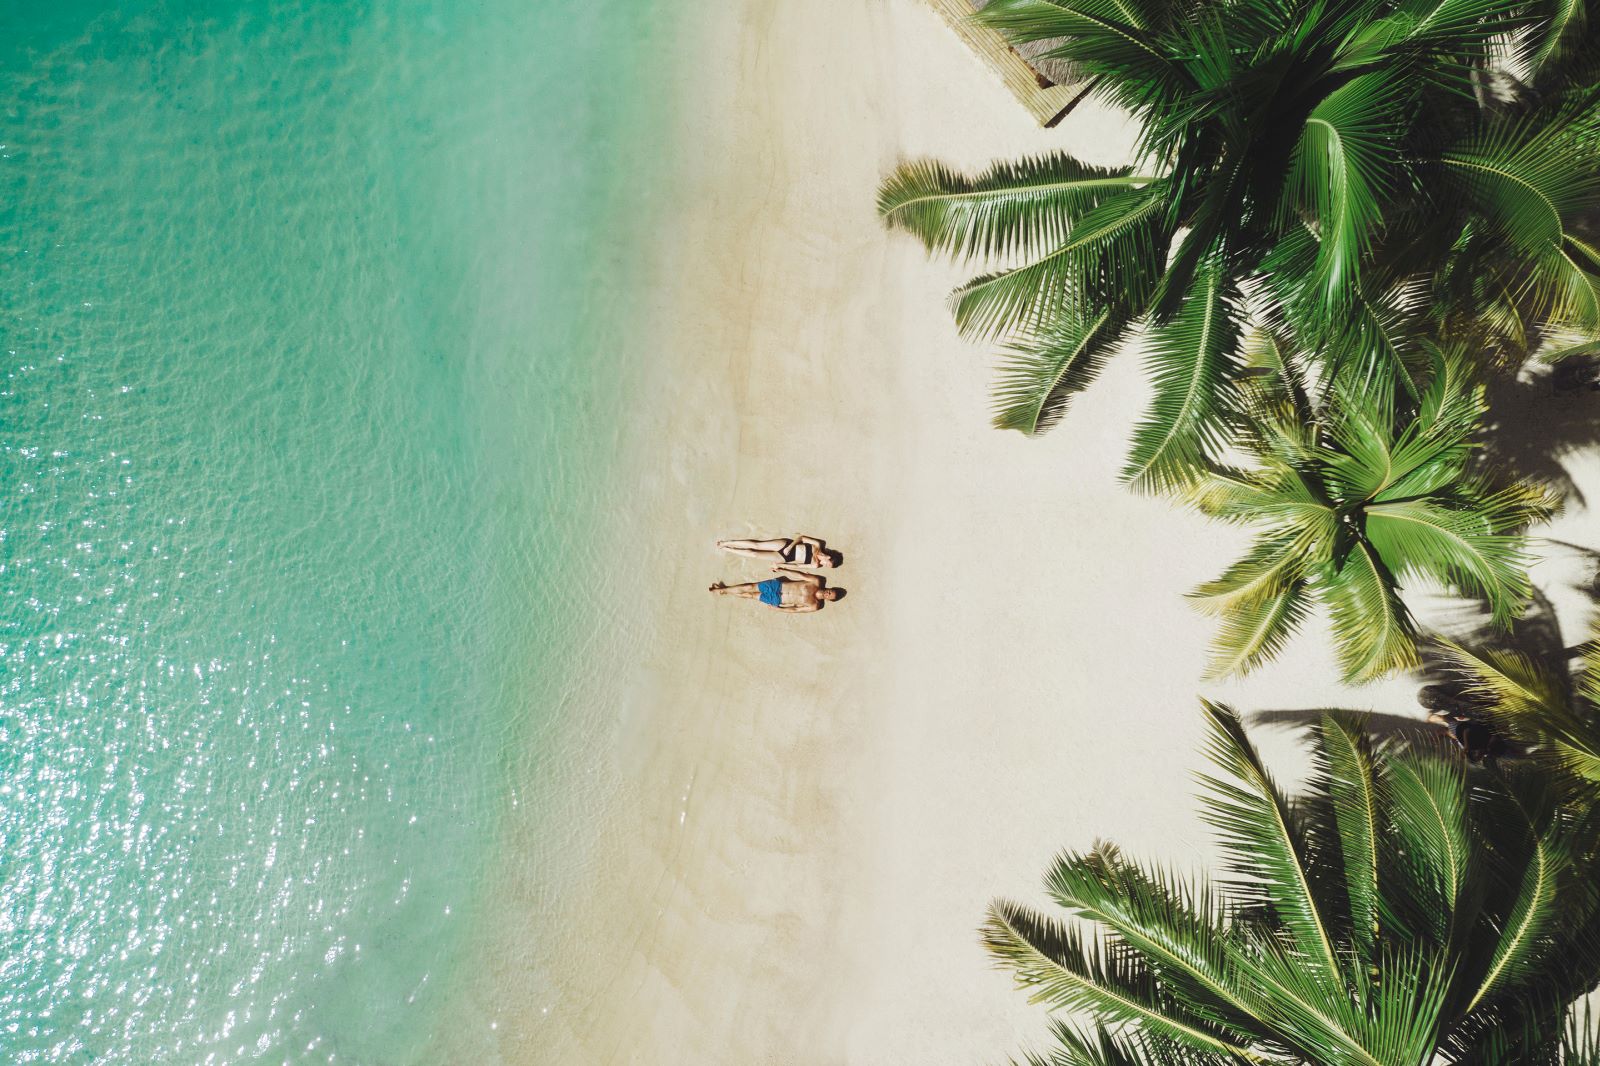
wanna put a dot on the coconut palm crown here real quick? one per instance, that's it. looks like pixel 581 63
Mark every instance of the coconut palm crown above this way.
pixel 1350 502
pixel 1393 914
pixel 1319 166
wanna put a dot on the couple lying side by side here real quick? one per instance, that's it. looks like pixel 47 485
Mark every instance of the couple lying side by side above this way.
pixel 798 592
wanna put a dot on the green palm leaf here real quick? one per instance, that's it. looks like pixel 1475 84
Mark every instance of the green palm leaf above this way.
pixel 1527 179
pixel 1428 848
pixel 1588 680
pixel 1403 998
pixel 1388 915
pixel 1058 966
pixel 1536 913
pixel 1264 840
pixel 1565 19
pixel 1040 377
pixel 1114 244
pixel 1229 495
pixel 1372 339
pixel 1349 774
pixel 1192 361
pixel 1344 167
pixel 1116 43
pixel 1561 289
pixel 1256 630
pixel 1104 1049
pixel 1454 26
pixel 1273 564
pixel 1362 462
pixel 1012 209
pixel 1507 680
pixel 1370 1020
pixel 1178 937
pixel 1372 628
pixel 1460 548
pixel 1431 454
pixel 1580 1044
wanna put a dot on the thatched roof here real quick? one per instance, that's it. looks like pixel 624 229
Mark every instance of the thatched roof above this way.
pixel 1055 71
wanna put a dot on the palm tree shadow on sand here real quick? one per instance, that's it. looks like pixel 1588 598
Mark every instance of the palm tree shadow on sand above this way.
pixel 1536 422
pixel 1536 635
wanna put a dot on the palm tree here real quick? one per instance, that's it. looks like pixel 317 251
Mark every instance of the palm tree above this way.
pixel 1348 503
pixel 1552 713
pixel 1327 166
pixel 1394 914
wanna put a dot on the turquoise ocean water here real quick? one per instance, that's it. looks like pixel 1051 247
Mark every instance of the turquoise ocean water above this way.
pixel 313 363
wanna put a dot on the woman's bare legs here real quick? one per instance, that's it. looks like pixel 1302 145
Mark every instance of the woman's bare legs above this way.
pixel 770 544
pixel 771 550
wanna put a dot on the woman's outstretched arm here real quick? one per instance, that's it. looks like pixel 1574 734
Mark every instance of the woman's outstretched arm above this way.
pixel 799 575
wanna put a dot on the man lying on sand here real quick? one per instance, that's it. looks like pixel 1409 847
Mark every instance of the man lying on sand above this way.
pixel 801 593
pixel 796 551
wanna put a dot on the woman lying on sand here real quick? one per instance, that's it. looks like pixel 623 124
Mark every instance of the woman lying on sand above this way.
pixel 796 551
pixel 801 593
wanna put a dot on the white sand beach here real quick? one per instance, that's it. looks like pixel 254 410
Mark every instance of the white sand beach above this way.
pixel 813 811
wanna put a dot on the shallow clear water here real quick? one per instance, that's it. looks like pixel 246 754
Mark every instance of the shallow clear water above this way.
pixel 309 400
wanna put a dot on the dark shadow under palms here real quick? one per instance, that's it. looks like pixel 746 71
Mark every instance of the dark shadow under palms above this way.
pixel 1536 422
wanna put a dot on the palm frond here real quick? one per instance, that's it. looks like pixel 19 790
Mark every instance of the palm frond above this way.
pixel 1251 632
pixel 1531 704
pixel 1272 564
pixel 1431 454
pixel 1372 628
pixel 1229 495
pixel 1561 289
pixel 1021 208
pixel 1274 371
pixel 1103 1048
pixel 1180 937
pixel 1115 243
pixel 1563 20
pixel 1429 845
pixel 1453 28
pixel 1264 840
pixel 1507 680
pixel 1059 966
pixel 1588 679
pixel 1192 361
pixel 1458 547
pixel 1362 462
pixel 1403 997
pixel 1039 377
pixel 1580 1042
pixel 1344 168
pixel 1348 773
pixel 1527 178
pixel 1533 919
